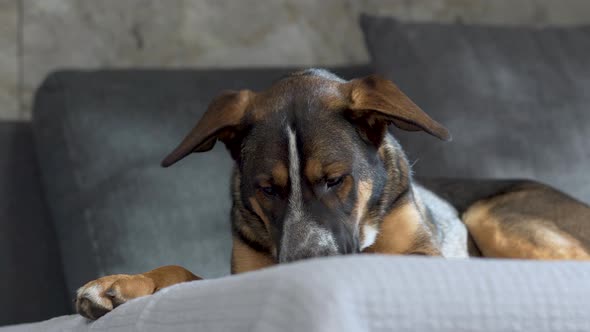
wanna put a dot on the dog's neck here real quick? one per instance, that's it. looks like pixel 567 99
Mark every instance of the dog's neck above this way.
pixel 402 221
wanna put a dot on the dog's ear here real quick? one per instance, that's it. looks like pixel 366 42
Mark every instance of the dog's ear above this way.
pixel 221 121
pixel 374 102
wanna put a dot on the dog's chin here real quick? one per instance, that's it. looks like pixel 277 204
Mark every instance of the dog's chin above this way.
pixel 317 250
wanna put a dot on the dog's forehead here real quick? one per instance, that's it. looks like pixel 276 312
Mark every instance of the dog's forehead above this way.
pixel 298 93
pixel 303 103
pixel 322 142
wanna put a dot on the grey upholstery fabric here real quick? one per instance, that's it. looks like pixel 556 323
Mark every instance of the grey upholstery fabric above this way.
pixel 101 136
pixel 31 283
pixel 516 99
pixel 363 293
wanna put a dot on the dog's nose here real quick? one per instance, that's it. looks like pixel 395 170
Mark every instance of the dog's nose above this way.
pixel 315 243
pixel 306 241
pixel 305 253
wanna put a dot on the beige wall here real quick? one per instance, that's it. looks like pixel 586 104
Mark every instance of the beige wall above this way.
pixel 38 36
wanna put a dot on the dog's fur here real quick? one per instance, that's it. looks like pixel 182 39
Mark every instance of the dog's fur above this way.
pixel 318 173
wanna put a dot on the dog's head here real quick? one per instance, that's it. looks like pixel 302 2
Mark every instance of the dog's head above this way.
pixel 307 156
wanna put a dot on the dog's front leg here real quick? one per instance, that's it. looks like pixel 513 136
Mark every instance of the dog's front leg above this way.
pixel 102 295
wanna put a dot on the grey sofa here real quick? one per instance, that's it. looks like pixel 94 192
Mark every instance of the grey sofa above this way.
pixel 82 195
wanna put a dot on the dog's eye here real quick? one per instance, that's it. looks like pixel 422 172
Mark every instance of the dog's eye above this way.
pixel 268 191
pixel 333 182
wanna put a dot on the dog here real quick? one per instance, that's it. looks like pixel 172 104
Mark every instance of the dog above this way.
pixel 318 172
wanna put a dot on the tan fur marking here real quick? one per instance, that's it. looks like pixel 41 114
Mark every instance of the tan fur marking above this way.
pixel 531 238
pixel 365 189
pixel 247 231
pixel 169 275
pixel 336 169
pixel 313 170
pixel 364 192
pixel 259 212
pixel 246 259
pixel 280 174
pixel 133 286
pixel 344 189
pixel 399 231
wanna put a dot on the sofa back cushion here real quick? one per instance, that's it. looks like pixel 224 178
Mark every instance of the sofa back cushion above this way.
pixel 101 136
pixel 516 99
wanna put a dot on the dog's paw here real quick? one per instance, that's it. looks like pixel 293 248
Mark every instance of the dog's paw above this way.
pixel 100 296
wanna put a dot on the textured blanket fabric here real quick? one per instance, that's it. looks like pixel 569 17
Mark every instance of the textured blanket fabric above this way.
pixel 363 293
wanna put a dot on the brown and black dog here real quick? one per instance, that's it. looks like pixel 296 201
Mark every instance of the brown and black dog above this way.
pixel 318 173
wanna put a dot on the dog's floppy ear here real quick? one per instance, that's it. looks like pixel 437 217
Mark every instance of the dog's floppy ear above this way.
pixel 376 100
pixel 221 121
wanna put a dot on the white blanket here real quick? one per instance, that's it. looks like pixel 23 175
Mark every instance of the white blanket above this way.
pixel 363 293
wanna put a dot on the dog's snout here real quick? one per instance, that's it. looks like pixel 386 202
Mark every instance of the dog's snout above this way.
pixel 302 240
pixel 305 239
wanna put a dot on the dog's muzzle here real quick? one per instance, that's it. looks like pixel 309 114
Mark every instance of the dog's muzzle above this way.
pixel 307 239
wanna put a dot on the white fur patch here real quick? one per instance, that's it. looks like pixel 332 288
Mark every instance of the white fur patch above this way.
pixel 300 232
pixel 326 239
pixel 369 236
pixel 296 198
pixel 93 293
pixel 453 232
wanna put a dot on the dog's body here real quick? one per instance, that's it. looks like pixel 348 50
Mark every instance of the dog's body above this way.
pixel 319 173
